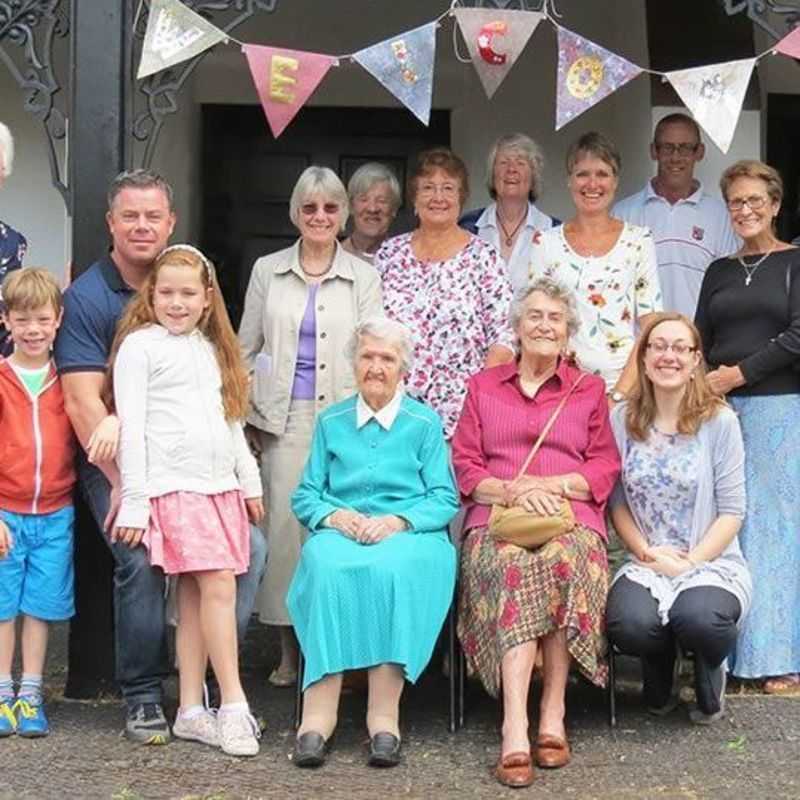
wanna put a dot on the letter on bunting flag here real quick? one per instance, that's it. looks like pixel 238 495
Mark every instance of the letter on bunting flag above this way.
pixel 404 66
pixel 174 33
pixel 284 80
pixel 495 39
pixel 790 44
pixel 714 94
pixel 587 73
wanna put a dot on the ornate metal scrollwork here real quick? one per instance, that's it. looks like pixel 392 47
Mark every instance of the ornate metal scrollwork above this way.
pixel 759 11
pixel 160 90
pixel 34 26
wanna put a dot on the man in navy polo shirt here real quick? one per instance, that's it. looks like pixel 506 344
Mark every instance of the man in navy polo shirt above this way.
pixel 140 219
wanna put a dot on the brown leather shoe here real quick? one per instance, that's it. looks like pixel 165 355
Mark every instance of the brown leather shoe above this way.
pixel 515 770
pixel 552 752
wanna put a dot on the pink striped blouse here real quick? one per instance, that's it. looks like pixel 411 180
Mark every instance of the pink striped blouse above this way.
pixel 499 425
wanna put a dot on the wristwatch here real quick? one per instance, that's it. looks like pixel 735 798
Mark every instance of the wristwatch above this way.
pixel 617 396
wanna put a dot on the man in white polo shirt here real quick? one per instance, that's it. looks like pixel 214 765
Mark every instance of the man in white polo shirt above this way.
pixel 691 227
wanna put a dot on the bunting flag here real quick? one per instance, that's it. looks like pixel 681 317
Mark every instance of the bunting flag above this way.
pixel 284 80
pixel 714 94
pixel 174 33
pixel 587 73
pixel 790 44
pixel 404 66
pixel 494 40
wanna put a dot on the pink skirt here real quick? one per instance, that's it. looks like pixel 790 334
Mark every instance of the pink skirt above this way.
pixel 191 532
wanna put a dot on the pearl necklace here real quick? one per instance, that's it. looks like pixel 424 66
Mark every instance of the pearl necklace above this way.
pixel 750 269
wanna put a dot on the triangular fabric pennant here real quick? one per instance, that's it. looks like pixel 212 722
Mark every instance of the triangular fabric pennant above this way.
pixel 714 94
pixel 587 73
pixel 284 80
pixel 790 44
pixel 174 33
pixel 404 66
pixel 495 39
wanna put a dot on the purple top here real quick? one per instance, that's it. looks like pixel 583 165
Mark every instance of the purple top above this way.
pixel 305 367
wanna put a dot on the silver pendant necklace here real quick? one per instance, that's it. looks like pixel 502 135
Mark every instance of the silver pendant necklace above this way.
pixel 750 269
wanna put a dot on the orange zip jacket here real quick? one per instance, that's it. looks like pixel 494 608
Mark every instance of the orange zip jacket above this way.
pixel 37 446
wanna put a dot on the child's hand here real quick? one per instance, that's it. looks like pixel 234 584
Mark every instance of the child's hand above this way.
pixel 129 536
pixel 103 442
pixel 6 542
pixel 255 509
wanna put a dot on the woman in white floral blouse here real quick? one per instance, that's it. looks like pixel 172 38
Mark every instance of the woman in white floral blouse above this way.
pixel 448 286
pixel 609 264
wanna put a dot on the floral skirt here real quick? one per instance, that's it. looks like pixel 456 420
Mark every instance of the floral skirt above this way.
pixel 510 595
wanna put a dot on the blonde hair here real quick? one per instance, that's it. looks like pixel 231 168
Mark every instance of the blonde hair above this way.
pixel 214 324
pixel 30 288
pixel 699 403
pixel 750 168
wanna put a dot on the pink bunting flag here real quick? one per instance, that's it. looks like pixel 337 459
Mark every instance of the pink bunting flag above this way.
pixel 587 73
pixel 284 80
pixel 789 45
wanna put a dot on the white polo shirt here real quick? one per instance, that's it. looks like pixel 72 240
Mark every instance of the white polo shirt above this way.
pixel 688 235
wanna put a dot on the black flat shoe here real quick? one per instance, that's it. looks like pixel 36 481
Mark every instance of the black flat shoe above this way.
pixel 384 750
pixel 310 750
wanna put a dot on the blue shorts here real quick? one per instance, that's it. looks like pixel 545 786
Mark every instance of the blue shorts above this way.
pixel 36 577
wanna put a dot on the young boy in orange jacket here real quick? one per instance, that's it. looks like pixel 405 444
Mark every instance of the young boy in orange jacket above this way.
pixel 37 476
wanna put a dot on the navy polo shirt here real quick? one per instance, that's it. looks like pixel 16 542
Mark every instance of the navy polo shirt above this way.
pixel 93 305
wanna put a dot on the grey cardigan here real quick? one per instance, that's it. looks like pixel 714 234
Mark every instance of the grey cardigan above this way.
pixel 720 490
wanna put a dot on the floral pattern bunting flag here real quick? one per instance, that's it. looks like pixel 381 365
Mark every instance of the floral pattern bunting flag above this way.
pixel 495 39
pixel 789 45
pixel 714 94
pixel 284 80
pixel 174 33
pixel 587 73
pixel 404 66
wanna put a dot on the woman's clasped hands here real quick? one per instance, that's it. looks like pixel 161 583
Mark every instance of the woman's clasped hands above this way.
pixel 536 495
pixel 364 529
pixel 666 560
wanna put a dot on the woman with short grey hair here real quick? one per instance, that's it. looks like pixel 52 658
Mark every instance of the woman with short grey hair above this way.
pixel 374 194
pixel 555 291
pixel 388 330
pixel 511 221
pixel 301 307
pixel 13 244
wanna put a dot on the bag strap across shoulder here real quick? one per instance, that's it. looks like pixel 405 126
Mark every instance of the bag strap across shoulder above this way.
pixel 546 429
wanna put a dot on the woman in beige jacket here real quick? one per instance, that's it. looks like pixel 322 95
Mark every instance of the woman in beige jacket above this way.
pixel 302 306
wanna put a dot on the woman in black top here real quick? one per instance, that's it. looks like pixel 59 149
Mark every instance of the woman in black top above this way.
pixel 749 318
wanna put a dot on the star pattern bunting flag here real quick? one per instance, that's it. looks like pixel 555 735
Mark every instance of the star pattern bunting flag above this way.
pixel 587 73
pixel 495 40
pixel 714 94
pixel 404 66
pixel 174 33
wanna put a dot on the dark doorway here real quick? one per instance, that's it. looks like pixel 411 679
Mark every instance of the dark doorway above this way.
pixel 248 176
pixel 783 122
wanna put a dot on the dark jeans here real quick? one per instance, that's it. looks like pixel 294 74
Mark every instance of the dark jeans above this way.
pixel 140 640
pixel 702 620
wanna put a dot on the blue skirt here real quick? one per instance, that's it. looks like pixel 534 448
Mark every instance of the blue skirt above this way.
pixel 769 639
pixel 356 606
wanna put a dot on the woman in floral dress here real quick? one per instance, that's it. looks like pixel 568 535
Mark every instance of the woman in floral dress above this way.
pixel 609 264
pixel 514 601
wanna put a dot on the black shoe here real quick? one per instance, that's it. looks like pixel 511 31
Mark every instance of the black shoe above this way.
pixel 384 750
pixel 310 750
pixel 146 724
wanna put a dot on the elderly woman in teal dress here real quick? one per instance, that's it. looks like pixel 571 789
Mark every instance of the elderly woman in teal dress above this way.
pixel 376 576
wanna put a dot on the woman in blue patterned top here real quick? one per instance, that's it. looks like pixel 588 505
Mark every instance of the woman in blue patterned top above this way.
pixel 376 575
pixel 678 508
pixel 12 243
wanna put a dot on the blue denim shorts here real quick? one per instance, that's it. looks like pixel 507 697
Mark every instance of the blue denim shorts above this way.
pixel 37 577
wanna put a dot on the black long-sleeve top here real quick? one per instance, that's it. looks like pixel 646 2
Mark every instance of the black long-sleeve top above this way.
pixel 756 327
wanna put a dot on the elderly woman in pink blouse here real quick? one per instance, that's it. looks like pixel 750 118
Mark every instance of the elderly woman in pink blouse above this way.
pixel 513 600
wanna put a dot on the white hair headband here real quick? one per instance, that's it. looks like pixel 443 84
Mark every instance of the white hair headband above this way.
pixel 189 248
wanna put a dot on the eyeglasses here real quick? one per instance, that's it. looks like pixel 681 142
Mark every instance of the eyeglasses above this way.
pixel 682 149
pixel 431 189
pixel 754 202
pixel 309 209
pixel 660 347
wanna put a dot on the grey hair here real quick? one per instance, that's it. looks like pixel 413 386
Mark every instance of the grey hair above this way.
pixel 316 180
pixel 555 290
pixel 394 333
pixel 6 151
pixel 140 179
pixel 367 175
pixel 529 149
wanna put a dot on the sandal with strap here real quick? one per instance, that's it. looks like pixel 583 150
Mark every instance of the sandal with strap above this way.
pixel 783 684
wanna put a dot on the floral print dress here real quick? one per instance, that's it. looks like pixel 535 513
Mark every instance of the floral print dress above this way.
pixel 612 292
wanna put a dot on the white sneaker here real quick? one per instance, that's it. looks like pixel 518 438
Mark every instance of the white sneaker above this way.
pixel 201 728
pixel 238 733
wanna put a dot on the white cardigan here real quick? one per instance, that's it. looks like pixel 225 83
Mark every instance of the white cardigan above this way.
pixel 174 436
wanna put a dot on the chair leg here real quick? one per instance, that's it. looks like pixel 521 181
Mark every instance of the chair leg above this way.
pixel 453 654
pixel 612 686
pixel 298 697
